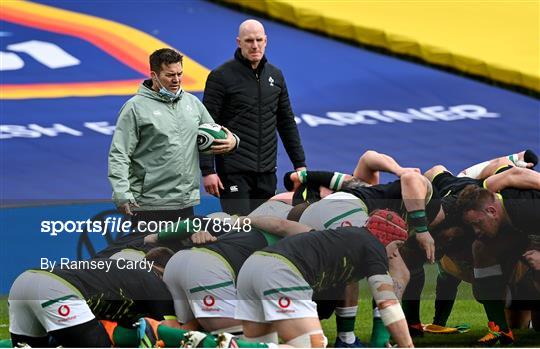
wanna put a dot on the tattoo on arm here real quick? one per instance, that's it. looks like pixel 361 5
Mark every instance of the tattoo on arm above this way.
pixel 399 288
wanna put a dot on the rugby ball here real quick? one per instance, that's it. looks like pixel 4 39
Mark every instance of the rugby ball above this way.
pixel 207 134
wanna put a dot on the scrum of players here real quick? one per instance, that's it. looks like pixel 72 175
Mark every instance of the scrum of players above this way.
pixel 266 280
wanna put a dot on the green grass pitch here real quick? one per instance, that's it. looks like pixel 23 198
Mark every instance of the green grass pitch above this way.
pixel 466 310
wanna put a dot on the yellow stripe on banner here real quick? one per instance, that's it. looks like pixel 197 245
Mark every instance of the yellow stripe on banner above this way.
pixel 499 40
pixel 93 89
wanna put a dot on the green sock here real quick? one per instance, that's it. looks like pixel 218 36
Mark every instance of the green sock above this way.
pixel 6 343
pixel 345 319
pixel 171 336
pixel 345 324
pixel 125 337
pixel 243 344
pixel 379 334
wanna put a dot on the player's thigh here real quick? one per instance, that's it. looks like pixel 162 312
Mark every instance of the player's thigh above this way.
pixel 23 320
pixel 290 329
pixel 254 329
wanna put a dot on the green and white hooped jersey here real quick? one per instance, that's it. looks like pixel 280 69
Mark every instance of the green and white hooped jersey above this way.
pixel 336 210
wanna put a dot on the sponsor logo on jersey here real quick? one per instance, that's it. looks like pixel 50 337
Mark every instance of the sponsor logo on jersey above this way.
pixel 209 301
pixel 64 310
pixel 284 303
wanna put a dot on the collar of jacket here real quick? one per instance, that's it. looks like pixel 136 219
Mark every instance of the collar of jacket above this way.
pixel 238 56
pixel 146 90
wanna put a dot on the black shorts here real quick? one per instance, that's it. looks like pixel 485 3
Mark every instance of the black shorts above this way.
pixel 448 184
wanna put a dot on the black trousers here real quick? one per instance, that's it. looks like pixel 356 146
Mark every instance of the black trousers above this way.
pixel 246 191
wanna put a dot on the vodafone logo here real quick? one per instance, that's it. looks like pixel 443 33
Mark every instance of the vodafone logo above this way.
pixel 64 310
pixel 346 224
pixel 209 301
pixel 284 302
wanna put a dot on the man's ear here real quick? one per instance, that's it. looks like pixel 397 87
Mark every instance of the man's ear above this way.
pixel 491 209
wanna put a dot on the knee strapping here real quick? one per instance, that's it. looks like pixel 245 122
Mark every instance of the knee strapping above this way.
pixel 391 313
pixel 313 339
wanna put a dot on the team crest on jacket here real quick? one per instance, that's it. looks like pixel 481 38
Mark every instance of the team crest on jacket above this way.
pixel 271 81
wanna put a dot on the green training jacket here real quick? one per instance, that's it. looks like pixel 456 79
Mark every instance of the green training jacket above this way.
pixel 154 159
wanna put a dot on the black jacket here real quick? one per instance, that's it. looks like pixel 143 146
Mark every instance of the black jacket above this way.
pixel 252 104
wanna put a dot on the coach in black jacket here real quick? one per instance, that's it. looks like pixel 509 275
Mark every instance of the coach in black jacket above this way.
pixel 249 96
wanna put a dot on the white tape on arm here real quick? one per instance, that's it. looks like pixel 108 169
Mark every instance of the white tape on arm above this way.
pixel 382 288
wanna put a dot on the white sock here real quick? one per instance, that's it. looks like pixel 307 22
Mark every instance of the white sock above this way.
pixel 376 312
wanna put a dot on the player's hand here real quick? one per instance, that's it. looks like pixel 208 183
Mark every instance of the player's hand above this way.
pixel 151 239
pixel 127 208
pixel 224 145
pixel 427 243
pixel 533 258
pixel 202 237
pixel 212 184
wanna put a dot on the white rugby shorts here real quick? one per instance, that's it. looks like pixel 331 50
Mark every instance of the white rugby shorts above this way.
pixel 271 288
pixel 40 302
pixel 201 284
pixel 335 210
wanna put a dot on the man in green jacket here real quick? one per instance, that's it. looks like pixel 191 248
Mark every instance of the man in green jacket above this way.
pixel 154 158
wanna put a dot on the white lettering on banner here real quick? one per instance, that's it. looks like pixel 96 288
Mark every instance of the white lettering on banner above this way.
pixel 46 53
pixel 314 121
pixel 102 127
pixel 55 130
pixel 17 131
pixel 333 118
pixel 10 61
pixel 371 117
pixel 350 118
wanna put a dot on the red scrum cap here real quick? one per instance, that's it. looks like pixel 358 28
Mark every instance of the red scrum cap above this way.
pixel 387 226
